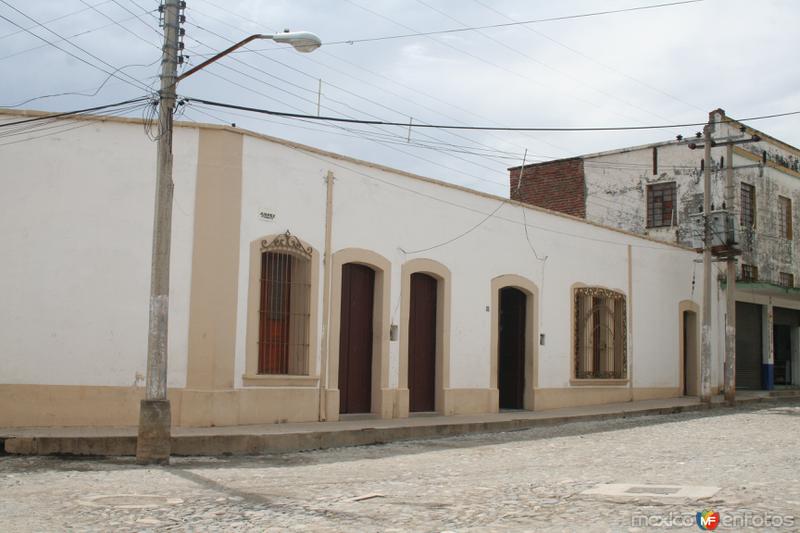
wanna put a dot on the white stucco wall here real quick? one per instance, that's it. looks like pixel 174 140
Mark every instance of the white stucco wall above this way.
pixel 388 212
pixel 77 228
pixel 76 215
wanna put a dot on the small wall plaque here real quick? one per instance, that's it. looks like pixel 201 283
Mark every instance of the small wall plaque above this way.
pixel 266 214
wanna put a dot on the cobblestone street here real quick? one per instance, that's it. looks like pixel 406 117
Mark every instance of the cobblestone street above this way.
pixel 526 480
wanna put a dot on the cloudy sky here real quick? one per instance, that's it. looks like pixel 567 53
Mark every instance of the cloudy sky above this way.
pixel 666 65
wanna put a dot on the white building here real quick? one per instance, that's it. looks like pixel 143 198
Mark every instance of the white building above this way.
pixel 305 285
pixel 654 189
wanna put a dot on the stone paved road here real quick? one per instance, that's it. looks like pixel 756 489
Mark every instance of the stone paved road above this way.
pixel 528 480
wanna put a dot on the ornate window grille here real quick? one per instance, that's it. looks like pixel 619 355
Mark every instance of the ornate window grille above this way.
pixel 601 331
pixel 284 308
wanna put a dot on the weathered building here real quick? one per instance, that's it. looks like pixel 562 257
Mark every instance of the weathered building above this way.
pixel 654 189
pixel 307 285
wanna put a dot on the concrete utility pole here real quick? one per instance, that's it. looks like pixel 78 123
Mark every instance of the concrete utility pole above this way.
pixel 705 354
pixel 730 293
pixel 153 443
pixel 729 249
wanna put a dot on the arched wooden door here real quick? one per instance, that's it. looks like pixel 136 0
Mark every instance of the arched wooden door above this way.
pixel 511 348
pixel 422 343
pixel 355 339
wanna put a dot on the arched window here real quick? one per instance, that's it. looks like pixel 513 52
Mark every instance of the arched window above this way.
pixel 284 306
pixel 600 334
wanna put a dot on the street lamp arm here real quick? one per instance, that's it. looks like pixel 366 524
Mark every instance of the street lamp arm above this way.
pixel 222 54
pixel 302 41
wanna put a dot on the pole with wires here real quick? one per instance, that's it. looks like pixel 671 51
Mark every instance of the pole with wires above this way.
pixel 153 443
pixel 705 353
pixel 730 295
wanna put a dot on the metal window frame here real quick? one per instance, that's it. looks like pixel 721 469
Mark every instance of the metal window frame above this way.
pixel 747 210
pixel 785 217
pixel 749 272
pixel 656 198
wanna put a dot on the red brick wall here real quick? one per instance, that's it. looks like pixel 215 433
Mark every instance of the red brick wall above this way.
pixel 557 185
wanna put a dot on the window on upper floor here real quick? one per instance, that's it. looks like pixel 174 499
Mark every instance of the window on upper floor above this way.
pixel 747 213
pixel 787 280
pixel 784 217
pixel 749 272
pixel 661 205
pixel 600 334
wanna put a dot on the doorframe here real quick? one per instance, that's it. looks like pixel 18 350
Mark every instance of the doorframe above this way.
pixel 443 287
pixel 531 292
pixel 692 307
pixel 381 402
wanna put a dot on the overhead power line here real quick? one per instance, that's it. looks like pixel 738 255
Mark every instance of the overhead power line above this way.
pixel 487 128
pixel 131 80
pixel 507 24
pixel 75 112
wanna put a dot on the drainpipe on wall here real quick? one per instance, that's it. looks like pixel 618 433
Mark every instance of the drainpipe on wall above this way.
pixel 630 319
pixel 326 298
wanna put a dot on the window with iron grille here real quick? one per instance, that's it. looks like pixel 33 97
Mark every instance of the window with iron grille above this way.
pixel 784 217
pixel 749 272
pixel 600 334
pixel 661 204
pixel 747 215
pixel 787 280
pixel 284 311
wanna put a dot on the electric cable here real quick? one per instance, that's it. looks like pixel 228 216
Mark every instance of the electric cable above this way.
pixel 490 128
pixel 75 112
pixel 585 56
pixel 327 53
pixel 134 81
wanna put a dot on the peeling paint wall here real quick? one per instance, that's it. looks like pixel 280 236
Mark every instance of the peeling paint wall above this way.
pixel 616 194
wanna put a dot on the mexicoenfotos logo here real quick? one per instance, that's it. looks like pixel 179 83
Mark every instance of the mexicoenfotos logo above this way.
pixel 707 520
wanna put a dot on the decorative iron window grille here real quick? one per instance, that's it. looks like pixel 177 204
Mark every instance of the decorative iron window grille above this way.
pixel 661 204
pixel 787 280
pixel 747 214
pixel 601 332
pixel 284 309
pixel 784 217
pixel 749 272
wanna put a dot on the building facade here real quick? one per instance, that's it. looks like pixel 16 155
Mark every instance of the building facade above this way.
pixel 656 189
pixel 306 286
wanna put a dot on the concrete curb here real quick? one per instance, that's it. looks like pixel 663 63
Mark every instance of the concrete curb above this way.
pixel 249 444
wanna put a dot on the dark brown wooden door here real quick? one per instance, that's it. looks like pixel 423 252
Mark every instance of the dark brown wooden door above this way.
pixel 511 349
pixel 355 339
pixel 422 344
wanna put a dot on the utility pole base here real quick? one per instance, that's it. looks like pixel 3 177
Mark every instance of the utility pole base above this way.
pixel 730 398
pixel 153 443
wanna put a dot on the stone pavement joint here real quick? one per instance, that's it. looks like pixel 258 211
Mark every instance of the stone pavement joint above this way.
pixel 293 437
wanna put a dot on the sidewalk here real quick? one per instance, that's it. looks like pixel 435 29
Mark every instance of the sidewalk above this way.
pixel 279 438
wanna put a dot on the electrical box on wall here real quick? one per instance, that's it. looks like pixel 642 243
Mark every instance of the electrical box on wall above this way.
pixel 724 231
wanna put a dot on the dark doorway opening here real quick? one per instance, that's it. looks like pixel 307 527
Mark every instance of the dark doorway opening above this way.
pixel 691 372
pixel 748 346
pixel 511 348
pixel 782 344
pixel 422 343
pixel 355 339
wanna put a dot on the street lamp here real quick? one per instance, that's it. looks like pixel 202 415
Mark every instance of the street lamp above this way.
pixel 302 41
pixel 153 442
